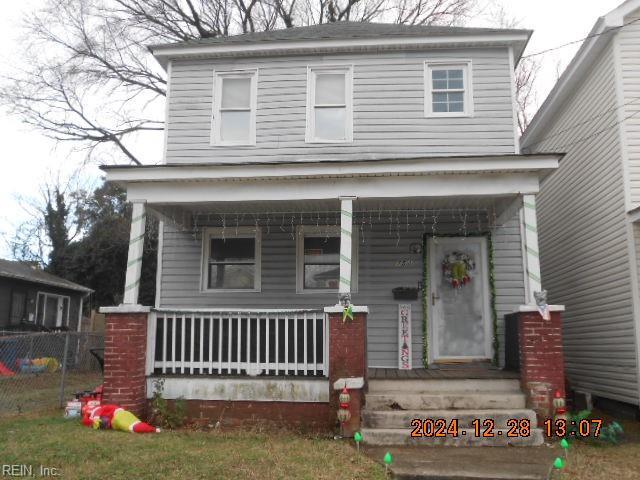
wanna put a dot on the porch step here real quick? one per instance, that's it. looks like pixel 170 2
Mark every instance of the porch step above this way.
pixel 443 385
pixel 465 438
pixel 402 418
pixel 461 400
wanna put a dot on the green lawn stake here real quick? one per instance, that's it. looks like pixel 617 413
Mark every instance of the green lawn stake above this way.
pixel 388 459
pixel 565 446
pixel 358 438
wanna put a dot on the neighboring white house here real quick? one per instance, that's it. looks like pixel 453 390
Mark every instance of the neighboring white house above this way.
pixel 588 211
pixel 371 163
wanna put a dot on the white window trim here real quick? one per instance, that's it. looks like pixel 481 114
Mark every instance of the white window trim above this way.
pixel 216 117
pixel 467 73
pixel 311 95
pixel 301 231
pixel 65 322
pixel 218 232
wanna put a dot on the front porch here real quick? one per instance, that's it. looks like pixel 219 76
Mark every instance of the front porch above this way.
pixel 283 262
pixel 436 252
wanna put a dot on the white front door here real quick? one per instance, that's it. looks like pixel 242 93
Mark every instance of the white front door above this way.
pixel 459 309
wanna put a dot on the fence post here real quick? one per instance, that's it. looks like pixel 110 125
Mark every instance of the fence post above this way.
pixel 64 368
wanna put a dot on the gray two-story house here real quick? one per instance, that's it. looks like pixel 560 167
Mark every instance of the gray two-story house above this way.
pixel 358 164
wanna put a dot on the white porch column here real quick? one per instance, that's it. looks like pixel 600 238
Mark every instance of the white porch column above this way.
pixel 134 260
pixel 346 229
pixel 531 247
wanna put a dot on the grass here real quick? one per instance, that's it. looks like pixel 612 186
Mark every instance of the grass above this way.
pixel 84 453
pixel 594 460
pixel 31 392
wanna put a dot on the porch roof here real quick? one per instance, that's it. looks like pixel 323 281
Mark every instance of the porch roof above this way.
pixel 541 162
pixel 305 180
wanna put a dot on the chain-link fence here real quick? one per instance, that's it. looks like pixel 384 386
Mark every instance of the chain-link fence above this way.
pixel 44 370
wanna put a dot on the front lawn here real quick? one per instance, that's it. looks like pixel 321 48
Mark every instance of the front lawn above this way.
pixel 597 460
pixel 83 453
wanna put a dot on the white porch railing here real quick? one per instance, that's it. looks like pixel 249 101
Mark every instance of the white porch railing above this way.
pixel 238 342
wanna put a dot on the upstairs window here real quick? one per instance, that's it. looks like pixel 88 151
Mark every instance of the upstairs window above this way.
pixel 329 105
pixel 448 89
pixel 234 109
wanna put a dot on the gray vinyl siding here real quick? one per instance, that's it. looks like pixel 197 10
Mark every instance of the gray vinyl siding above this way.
pixel 384 262
pixel 508 273
pixel 388 109
pixel 583 240
pixel 629 55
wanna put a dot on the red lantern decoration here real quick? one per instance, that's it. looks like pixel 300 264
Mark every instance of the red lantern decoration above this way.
pixel 344 415
pixel 560 406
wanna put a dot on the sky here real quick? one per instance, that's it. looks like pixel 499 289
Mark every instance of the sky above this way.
pixel 28 159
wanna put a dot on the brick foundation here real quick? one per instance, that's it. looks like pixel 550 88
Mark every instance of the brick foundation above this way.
pixel 541 360
pixel 348 358
pixel 125 347
pixel 308 417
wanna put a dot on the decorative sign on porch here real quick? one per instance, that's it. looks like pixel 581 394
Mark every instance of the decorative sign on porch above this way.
pixel 404 336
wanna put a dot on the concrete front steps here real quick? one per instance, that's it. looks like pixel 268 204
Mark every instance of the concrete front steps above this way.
pixel 392 404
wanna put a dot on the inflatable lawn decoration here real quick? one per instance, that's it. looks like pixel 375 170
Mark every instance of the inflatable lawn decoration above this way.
pixel 116 418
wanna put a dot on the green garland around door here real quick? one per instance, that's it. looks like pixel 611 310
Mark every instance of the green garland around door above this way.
pixel 494 313
pixel 425 303
pixel 425 299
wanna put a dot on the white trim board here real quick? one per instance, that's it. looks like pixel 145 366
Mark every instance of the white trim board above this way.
pixel 543 163
pixel 158 298
pixel 238 389
pixel 424 186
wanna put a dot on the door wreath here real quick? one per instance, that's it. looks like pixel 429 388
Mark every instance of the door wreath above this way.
pixel 456 268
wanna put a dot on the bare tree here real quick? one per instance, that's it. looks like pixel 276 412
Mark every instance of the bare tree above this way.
pixel 525 75
pixel 526 100
pixel 53 219
pixel 89 78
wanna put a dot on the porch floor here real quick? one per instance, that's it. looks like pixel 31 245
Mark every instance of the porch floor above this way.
pixel 460 371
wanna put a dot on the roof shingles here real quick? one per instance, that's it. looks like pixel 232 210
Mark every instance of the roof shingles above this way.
pixel 24 271
pixel 346 30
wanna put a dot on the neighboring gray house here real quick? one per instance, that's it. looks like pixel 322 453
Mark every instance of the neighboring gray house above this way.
pixel 31 298
pixel 307 164
pixel 589 209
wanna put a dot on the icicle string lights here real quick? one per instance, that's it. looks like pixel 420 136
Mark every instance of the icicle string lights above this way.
pixel 463 221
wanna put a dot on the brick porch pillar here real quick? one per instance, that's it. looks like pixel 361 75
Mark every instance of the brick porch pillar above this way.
pixel 125 351
pixel 541 358
pixel 348 361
